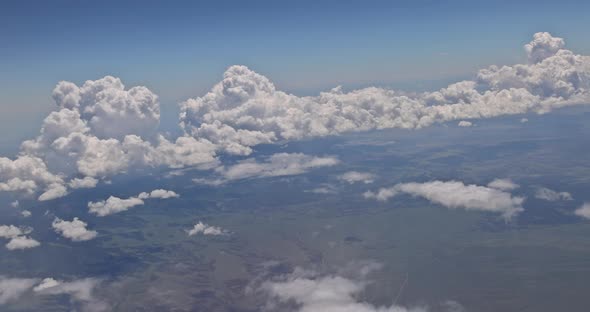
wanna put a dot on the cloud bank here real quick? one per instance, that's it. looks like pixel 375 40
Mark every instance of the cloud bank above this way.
pixel 455 194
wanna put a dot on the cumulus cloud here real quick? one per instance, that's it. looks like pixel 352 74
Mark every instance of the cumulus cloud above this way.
pixel 551 195
pixel 464 123
pixel 524 120
pixel 455 194
pixel 503 184
pixel 276 165
pixel 18 239
pixel 86 182
pixel 25 213
pixel 99 129
pixel 75 230
pixel 202 228
pixel 355 176
pixel 309 291
pixel 14 204
pixel 583 211
pixel 245 109
pixel 159 193
pixel 115 204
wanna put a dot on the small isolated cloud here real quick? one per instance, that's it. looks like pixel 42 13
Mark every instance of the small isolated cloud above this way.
pixel 551 195
pixel 455 194
pixel 25 213
pixel 503 184
pixel 159 193
pixel 22 242
pixel 115 204
pixel 583 211
pixel 324 189
pixel 202 228
pixel 18 239
pixel 524 120
pixel 281 164
pixel 464 123
pixel 355 176
pixel 86 182
pixel 53 191
pixel 14 204
pixel 75 230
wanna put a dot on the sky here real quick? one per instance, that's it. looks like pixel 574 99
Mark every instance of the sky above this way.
pixel 180 50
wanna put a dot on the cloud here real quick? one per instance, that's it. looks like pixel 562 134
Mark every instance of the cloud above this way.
pixel 464 123
pixel 159 193
pixel 79 290
pixel 524 120
pixel 355 176
pixel 115 204
pixel 503 184
pixel 202 228
pixel 276 165
pixel 13 288
pixel 551 195
pixel 25 213
pixel 86 182
pixel 245 109
pixel 583 211
pixel 455 194
pixel 309 291
pixel 18 239
pixel 74 230
pixel 14 204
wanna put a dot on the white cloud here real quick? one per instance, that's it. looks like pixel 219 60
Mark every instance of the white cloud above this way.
pixel 205 230
pixel 313 292
pixel 355 176
pixel 245 109
pixel 503 184
pixel 115 204
pixel 551 195
pixel 25 213
pixel 464 123
pixel 17 236
pixel 583 211
pixel 159 193
pixel 14 204
pixel 22 242
pixel 13 288
pixel 86 182
pixel 75 230
pixel 53 191
pixel 524 120
pixel 281 164
pixel 455 194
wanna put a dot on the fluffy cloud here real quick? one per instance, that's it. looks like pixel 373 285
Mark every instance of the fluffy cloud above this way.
pixel 205 230
pixel 464 123
pixel 18 238
pixel 245 109
pixel 455 194
pixel 159 193
pixel 99 129
pixel 115 204
pixel 503 184
pixel 551 195
pixel 281 164
pixel 583 211
pixel 314 292
pixel 75 230
pixel 25 213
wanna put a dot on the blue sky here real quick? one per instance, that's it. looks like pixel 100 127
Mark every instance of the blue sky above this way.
pixel 180 49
